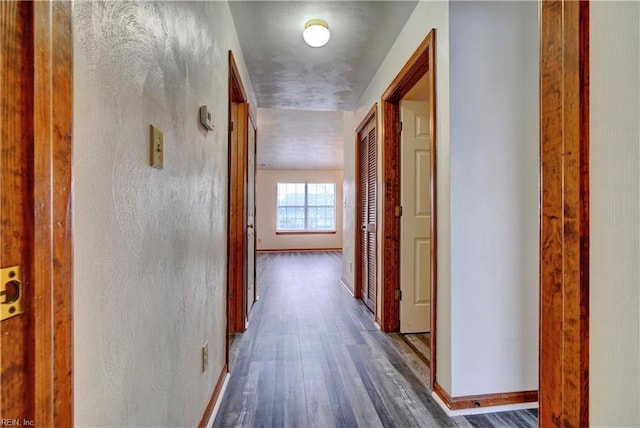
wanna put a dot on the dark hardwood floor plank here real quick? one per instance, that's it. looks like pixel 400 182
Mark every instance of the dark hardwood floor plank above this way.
pixel 342 412
pixel 313 357
pixel 521 419
pixel 265 396
pixel 295 405
pixel 319 412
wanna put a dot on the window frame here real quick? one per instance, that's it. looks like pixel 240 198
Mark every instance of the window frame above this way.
pixel 306 206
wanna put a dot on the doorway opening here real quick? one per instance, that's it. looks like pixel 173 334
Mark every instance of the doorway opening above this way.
pixel 237 251
pixel 420 65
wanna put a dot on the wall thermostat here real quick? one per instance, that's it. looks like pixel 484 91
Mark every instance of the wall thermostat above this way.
pixel 206 118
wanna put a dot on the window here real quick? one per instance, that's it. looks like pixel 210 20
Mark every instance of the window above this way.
pixel 306 207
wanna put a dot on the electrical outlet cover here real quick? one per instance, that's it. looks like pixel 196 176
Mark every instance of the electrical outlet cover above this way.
pixel 157 148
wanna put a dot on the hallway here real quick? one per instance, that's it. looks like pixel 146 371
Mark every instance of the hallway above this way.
pixel 312 356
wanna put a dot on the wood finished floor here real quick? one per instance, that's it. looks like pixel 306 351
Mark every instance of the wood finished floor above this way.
pixel 313 357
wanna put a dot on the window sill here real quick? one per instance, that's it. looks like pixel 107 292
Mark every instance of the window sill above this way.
pixel 305 232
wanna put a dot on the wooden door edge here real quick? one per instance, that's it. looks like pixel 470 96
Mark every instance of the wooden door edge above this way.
pixel 53 214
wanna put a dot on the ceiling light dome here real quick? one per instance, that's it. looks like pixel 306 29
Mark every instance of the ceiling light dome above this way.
pixel 316 33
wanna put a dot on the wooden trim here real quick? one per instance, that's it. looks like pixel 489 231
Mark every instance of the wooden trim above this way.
pixel 346 285
pixel 373 112
pixel 421 62
pixel 358 290
pixel 413 70
pixel 564 223
pixel 253 128
pixel 442 394
pixel 484 400
pixel 434 207
pixel 390 251
pixel 297 250
pixel 357 251
pixel 42 252
pixel 237 92
pixel 214 397
pixel 53 213
pixel 237 204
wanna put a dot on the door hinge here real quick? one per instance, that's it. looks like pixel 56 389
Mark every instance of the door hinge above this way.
pixel 398 295
pixel 230 126
pixel 398 210
pixel 400 126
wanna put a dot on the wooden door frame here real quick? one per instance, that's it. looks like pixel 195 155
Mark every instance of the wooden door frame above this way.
pixel 54 223
pixel 358 289
pixel 253 128
pixel 421 62
pixel 564 217
pixel 50 46
pixel 237 206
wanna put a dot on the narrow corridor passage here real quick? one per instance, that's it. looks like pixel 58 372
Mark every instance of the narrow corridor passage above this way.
pixel 312 357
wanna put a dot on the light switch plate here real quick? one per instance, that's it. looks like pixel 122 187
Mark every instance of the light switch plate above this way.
pixel 206 118
pixel 157 148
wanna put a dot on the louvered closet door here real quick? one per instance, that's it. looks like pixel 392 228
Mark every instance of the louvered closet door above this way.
pixel 367 209
pixel 371 213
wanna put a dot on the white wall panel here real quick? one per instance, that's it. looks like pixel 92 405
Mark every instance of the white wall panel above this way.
pixel 150 245
pixel 614 336
pixel 494 196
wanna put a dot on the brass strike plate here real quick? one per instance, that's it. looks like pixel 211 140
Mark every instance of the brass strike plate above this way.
pixel 11 292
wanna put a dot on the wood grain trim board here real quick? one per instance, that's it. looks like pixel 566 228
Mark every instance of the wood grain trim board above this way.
pixel 484 400
pixel 214 397
pixel 564 222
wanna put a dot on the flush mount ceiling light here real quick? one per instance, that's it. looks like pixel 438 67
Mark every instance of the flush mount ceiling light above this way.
pixel 316 33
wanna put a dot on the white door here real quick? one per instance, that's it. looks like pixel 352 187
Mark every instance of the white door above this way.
pixel 415 197
pixel 251 215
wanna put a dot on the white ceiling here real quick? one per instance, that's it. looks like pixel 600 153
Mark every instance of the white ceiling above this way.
pixel 300 89
pixel 312 139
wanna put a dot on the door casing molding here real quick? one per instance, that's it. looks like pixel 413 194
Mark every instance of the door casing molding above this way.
pixel 564 217
pixel 237 204
pixel 40 33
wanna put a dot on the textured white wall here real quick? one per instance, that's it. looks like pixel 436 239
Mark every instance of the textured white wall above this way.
pixel 348 201
pixel 266 181
pixel 615 215
pixel 494 196
pixel 427 15
pixel 149 245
